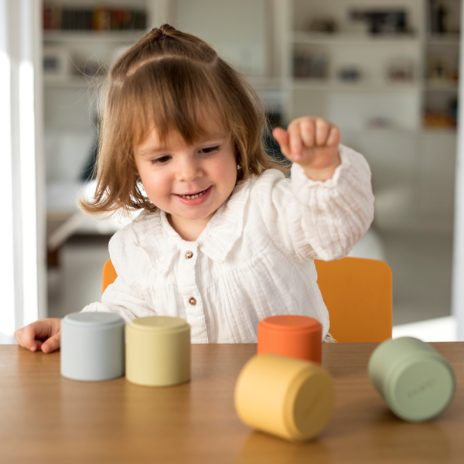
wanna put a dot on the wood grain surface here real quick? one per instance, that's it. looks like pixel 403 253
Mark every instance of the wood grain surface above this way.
pixel 45 418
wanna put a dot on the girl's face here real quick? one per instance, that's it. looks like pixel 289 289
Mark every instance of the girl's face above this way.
pixel 188 182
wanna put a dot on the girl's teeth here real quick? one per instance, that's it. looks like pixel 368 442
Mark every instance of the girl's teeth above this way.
pixel 193 197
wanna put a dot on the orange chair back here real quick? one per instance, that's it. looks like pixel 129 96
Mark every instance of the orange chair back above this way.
pixel 108 274
pixel 357 293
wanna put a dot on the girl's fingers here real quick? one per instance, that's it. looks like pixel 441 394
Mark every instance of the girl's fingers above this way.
pixel 308 132
pixel 322 132
pixel 52 344
pixel 26 337
pixel 304 135
pixel 281 135
pixel 296 142
pixel 333 138
pixel 34 335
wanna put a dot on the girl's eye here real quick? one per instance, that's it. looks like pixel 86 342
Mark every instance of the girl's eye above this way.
pixel 161 159
pixel 208 150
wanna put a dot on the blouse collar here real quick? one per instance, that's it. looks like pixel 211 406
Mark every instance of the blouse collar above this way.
pixel 223 229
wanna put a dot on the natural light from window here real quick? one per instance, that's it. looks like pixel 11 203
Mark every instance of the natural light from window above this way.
pixel 7 314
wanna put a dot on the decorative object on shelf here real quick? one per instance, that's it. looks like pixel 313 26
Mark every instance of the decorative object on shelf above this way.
pixel 378 122
pixel 435 119
pixel 323 24
pixel 310 65
pixel 438 14
pixel 453 109
pixel 439 70
pixel 400 69
pixel 444 17
pixel 349 73
pixel 99 18
pixel 56 63
pixel 394 21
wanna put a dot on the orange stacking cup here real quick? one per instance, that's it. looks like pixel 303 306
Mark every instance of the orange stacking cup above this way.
pixel 291 335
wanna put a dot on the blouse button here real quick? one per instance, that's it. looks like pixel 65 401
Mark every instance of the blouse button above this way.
pixel 188 254
pixel 192 301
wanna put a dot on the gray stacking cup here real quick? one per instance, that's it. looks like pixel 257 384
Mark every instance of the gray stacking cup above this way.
pixel 92 346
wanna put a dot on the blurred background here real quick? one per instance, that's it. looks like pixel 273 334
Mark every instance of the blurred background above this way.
pixel 386 72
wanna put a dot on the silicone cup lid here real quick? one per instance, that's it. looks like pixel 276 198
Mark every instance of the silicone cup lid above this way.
pixel 94 319
pixel 420 387
pixel 291 323
pixel 160 324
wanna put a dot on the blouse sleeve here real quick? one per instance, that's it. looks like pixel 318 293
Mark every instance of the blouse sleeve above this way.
pixel 321 219
pixel 126 296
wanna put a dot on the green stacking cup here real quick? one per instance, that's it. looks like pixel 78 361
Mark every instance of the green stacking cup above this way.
pixel 414 379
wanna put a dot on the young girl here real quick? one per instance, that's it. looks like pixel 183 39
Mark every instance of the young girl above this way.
pixel 224 238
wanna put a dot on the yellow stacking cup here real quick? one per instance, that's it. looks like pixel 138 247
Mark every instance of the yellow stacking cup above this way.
pixel 287 397
pixel 158 351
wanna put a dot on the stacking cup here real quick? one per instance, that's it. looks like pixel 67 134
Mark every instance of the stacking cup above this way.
pixel 414 379
pixel 158 351
pixel 92 346
pixel 287 397
pixel 291 335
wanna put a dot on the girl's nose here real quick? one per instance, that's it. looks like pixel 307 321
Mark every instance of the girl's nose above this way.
pixel 188 170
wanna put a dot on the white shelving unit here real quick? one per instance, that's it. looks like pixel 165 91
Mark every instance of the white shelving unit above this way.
pixel 441 80
pixel 75 62
pixel 336 69
pixel 376 81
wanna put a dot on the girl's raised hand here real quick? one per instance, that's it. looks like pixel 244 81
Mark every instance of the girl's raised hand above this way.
pixel 311 142
pixel 41 335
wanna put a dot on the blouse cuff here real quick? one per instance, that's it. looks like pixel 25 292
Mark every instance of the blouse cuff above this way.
pixel 352 165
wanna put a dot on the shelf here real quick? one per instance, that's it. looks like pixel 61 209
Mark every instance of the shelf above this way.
pixel 435 85
pixel 83 36
pixel 73 82
pixel 265 82
pixel 398 130
pixel 451 131
pixel 310 38
pixel 444 40
pixel 329 86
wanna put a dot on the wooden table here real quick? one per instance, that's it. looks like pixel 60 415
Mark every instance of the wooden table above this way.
pixel 45 418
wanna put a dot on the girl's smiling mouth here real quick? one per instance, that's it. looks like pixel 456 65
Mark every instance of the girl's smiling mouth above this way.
pixel 194 198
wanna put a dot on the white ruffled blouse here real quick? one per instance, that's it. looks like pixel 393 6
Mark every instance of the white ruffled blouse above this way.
pixel 254 259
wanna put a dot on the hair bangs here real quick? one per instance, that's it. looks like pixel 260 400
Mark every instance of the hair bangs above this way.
pixel 173 94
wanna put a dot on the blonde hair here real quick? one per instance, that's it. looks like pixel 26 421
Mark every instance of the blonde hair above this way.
pixel 171 80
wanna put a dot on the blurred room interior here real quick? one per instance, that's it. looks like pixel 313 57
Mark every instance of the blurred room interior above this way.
pixel 385 72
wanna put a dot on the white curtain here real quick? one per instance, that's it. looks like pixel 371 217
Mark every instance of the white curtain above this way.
pixel 22 237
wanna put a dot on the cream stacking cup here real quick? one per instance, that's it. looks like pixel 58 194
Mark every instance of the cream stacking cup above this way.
pixel 92 346
pixel 414 379
pixel 158 351
pixel 284 396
